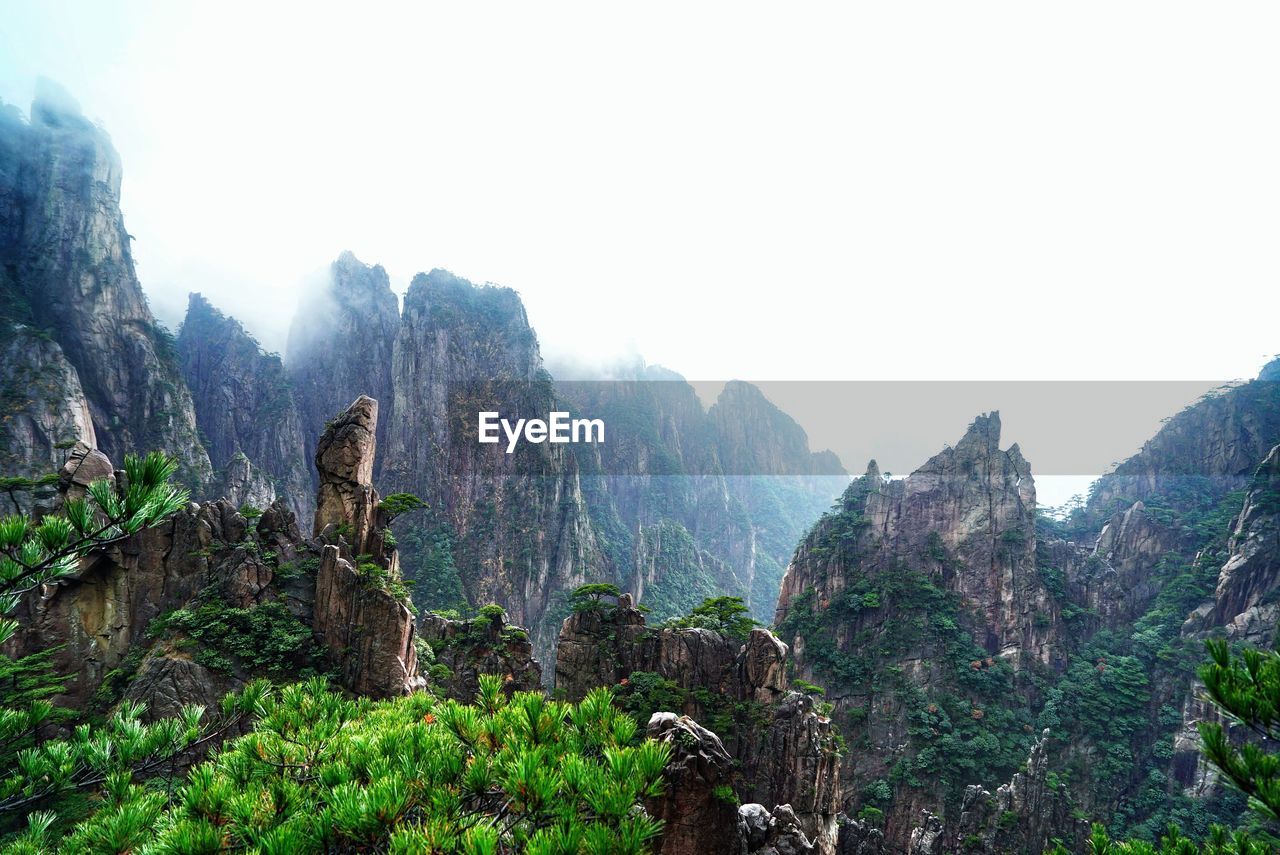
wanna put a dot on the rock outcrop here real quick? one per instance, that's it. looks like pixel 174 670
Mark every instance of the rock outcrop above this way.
pixel 359 618
pixel 696 814
pixel 245 409
pixel 110 624
pixel 786 749
pixel 916 600
pixel 1220 438
pixel 367 630
pixel 486 644
pixel 967 518
pixel 68 270
pixel 346 499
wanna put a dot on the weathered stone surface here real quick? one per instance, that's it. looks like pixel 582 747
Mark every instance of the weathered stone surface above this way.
pixel 965 521
pixel 1221 438
pixel 168 680
pixel 1116 580
pixel 979 504
pixel 1252 572
pixel 344 458
pixel 42 408
pixel 83 466
pixel 775 832
pixel 1022 815
pixel 242 484
pixel 245 409
pixel 787 752
pixel 367 631
pixel 483 645
pixel 858 837
pixel 99 616
pixel 696 819
pixel 69 270
pixel 519 525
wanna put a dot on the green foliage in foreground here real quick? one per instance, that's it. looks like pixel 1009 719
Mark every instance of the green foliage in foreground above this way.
pixel 320 772
pixel 1220 842
pixel 37 553
pixel 1247 689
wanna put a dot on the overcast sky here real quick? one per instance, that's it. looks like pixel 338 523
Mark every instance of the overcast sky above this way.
pixel 804 191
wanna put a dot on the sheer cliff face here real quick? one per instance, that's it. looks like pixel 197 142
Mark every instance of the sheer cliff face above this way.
pixel 43 409
pixel 246 412
pixel 744 490
pixel 966 519
pixel 340 345
pixel 69 270
pixel 517 522
pixel 209 556
pixel 917 604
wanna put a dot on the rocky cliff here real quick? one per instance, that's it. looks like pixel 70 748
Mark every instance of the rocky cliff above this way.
pixel 918 604
pixel 68 270
pixel 690 503
pixel 785 749
pixel 340 345
pixel 43 411
pixel 517 524
pixel 183 612
pixel 245 409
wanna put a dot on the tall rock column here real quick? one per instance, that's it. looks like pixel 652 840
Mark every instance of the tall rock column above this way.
pixel 365 626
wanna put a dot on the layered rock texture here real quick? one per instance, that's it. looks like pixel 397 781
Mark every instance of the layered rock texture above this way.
pixel 246 412
pixel 68 271
pixel 784 748
pixel 44 410
pixel 183 612
pixel 950 623
pixel 517 523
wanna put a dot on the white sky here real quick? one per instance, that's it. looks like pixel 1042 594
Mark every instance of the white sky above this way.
pixel 848 191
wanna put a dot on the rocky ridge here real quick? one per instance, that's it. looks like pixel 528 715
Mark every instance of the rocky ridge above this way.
pixel 784 747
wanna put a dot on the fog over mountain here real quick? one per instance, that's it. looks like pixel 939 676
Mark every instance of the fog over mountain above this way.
pixel 812 203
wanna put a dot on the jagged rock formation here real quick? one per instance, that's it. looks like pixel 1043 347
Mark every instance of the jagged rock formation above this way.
pixel 518 522
pixel 344 460
pixel 775 832
pixel 242 484
pixel 364 625
pixel 245 409
pixel 696 816
pixel 1244 602
pixel 68 270
pixel 786 749
pixel 340 345
pixel 968 518
pixel 1022 815
pixel 465 649
pixel 108 623
pixel 919 600
pixel 1115 581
